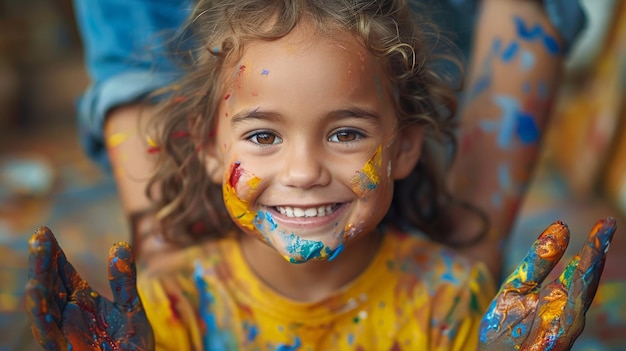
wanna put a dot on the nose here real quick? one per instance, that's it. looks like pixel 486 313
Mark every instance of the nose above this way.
pixel 305 167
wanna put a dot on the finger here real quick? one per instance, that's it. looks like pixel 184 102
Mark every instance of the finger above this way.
pixel 48 263
pixel 123 275
pixel 43 269
pixel 41 312
pixel 544 254
pixel 582 275
pixel 43 253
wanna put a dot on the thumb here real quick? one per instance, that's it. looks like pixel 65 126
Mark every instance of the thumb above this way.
pixel 123 274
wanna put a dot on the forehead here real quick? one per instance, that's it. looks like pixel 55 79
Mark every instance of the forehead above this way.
pixel 332 53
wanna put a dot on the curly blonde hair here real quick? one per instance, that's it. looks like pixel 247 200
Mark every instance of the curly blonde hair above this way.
pixel 190 207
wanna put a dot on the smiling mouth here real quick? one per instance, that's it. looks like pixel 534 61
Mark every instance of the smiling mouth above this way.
pixel 298 212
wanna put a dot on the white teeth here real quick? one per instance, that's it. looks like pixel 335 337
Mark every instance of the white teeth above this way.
pixel 305 212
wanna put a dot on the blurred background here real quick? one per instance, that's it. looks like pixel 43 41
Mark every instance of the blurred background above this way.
pixel 45 178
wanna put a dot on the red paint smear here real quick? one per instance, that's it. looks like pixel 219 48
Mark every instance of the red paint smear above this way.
pixel 154 150
pixel 534 104
pixel 235 174
pixel 198 227
pixel 179 99
pixel 468 140
pixel 242 68
pixel 101 324
pixel 180 134
pixel 227 97
pixel 173 300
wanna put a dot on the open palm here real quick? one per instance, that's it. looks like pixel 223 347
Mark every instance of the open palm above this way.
pixel 528 316
pixel 66 314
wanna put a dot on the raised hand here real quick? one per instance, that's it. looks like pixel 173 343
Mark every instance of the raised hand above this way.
pixel 66 314
pixel 526 316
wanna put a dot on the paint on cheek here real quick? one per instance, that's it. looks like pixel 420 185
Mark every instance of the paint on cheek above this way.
pixel 332 254
pixel 368 178
pixel 236 206
pixel 264 221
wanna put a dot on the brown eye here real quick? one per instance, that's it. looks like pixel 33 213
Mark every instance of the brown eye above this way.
pixel 344 136
pixel 265 138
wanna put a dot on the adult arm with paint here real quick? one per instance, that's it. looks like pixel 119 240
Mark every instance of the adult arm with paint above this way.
pixel 127 48
pixel 515 70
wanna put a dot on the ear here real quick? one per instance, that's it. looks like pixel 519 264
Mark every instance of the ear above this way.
pixel 213 163
pixel 408 150
pixel 209 156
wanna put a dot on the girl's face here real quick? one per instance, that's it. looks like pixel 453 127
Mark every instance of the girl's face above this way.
pixel 307 145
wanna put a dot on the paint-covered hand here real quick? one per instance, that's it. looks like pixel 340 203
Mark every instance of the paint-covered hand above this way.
pixel 66 314
pixel 526 316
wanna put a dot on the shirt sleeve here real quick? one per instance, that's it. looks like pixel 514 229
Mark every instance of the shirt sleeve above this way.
pixel 127 46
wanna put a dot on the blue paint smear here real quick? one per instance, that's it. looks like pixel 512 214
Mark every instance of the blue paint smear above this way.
pixel 252 333
pixel 496 200
pixel 490 321
pixel 518 330
pixel 448 275
pixel 509 53
pixel 265 72
pixel 212 340
pixel 536 33
pixel 527 129
pixel 551 45
pixel 350 339
pixel 504 177
pixel 509 107
pixel 296 345
pixel 528 60
pixel 332 254
pixel 306 249
pixel 542 90
pixel 264 217
pixel 525 33
pixel 481 85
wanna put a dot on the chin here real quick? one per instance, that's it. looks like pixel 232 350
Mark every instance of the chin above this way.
pixel 296 249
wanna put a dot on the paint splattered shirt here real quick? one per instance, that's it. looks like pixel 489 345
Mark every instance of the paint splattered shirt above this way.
pixel 415 295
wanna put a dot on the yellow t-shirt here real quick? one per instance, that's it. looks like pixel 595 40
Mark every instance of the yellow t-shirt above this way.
pixel 415 295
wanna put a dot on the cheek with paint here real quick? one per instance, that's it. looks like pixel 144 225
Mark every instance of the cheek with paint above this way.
pixel 367 179
pixel 238 187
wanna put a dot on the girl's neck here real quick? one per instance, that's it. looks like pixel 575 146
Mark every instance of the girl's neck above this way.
pixel 313 280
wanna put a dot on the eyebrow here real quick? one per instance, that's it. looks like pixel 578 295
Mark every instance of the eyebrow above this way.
pixel 345 113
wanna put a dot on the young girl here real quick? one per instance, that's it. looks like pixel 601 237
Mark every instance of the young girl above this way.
pixel 303 157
